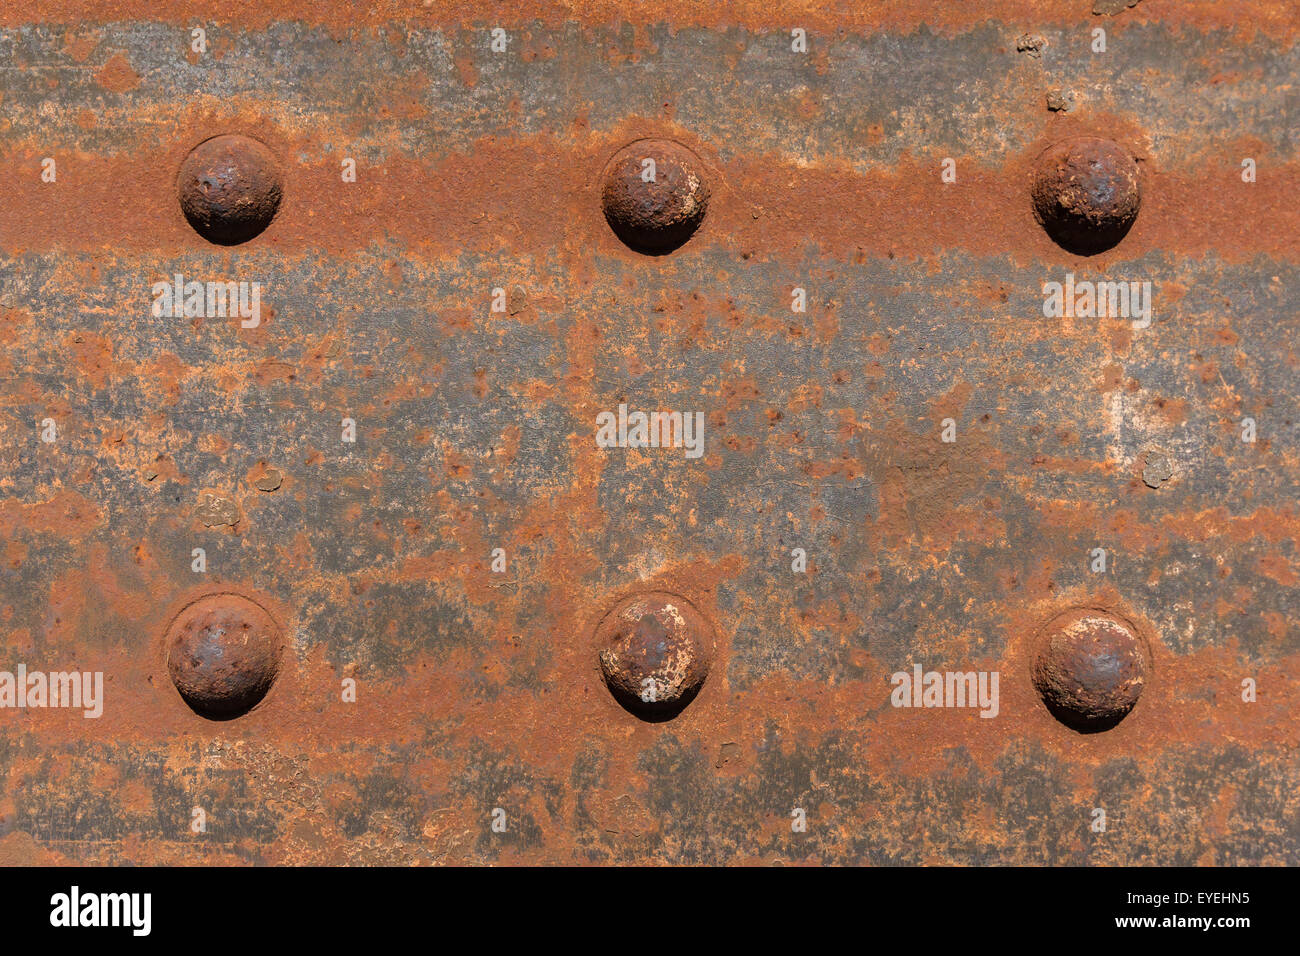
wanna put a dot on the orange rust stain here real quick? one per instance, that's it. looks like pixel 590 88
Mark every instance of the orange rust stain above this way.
pixel 1171 411
pixel 66 514
pixel 215 444
pixel 80 46
pixel 269 371
pixel 466 70
pixel 508 445
pixel 1276 567
pixel 136 797
pixel 117 75
pixel 161 379
pixel 20 849
pixel 1274 18
pixel 15 553
pixel 1112 377
pixel 92 357
pixel 533 49
pixel 12 323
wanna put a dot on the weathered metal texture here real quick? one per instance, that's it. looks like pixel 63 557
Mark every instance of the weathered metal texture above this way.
pixel 478 690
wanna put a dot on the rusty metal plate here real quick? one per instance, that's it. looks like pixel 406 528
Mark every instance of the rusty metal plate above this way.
pixel 361 559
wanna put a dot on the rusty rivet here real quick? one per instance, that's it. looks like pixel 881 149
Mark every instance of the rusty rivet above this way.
pixel 1157 468
pixel 223 654
pixel 1031 43
pixel 269 480
pixel 1090 669
pixel 655 652
pixel 1060 101
pixel 1086 194
pixel 229 188
pixel 655 196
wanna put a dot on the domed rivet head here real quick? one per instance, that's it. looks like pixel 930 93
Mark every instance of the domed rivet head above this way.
pixel 655 195
pixel 1090 669
pixel 655 652
pixel 223 655
pixel 1086 194
pixel 229 188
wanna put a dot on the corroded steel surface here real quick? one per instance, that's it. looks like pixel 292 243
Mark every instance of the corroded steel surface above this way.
pixel 465 305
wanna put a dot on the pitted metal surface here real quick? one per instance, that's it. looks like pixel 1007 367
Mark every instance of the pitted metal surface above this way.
pixel 392 447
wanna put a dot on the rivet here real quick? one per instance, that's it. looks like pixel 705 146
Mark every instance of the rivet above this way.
pixel 229 188
pixel 655 195
pixel 1090 669
pixel 216 511
pixel 1086 194
pixel 223 654
pixel 655 652
pixel 1060 101
pixel 1156 468
pixel 1031 43
pixel 269 480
